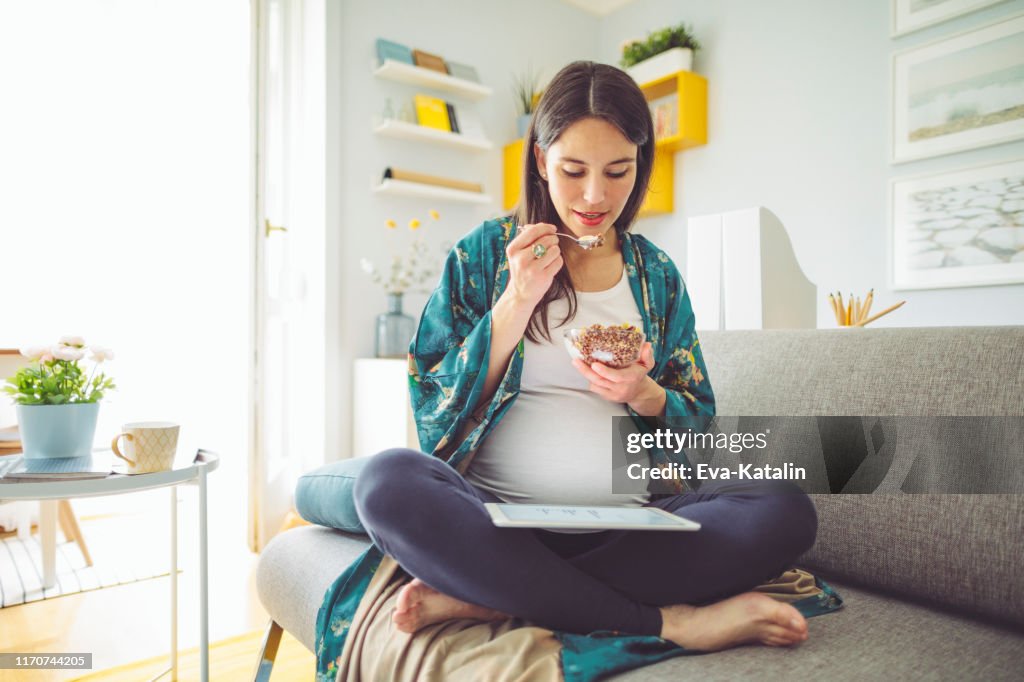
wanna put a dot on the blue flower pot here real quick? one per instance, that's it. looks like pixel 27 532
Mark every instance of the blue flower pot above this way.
pixel 53 431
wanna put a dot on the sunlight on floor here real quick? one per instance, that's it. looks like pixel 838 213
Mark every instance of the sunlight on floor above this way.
pixel 126 623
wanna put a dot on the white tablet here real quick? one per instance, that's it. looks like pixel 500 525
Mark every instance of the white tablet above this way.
pixel 585 518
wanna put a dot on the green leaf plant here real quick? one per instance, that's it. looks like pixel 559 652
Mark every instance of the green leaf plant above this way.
pixel 55 377
pixel 526 88
pixel 662 40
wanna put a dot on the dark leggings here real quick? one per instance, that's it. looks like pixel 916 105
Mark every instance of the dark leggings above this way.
pixel 422 513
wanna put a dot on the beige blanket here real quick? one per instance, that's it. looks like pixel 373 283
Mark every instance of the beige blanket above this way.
pixel 468 650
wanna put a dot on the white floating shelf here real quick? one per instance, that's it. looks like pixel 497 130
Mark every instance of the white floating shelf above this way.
pixel 428 78
pixel 404 188
pixel 412 131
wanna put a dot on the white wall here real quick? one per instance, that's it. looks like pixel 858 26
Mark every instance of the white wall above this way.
pixel 500 39
pixel 799 122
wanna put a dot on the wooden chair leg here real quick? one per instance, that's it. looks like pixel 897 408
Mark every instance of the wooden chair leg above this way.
pixel 62 519
pixel 69 524
pixel 268 652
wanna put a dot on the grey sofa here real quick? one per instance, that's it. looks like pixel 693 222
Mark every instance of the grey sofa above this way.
pixel 933 584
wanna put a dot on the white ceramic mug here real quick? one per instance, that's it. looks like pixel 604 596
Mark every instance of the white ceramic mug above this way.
pixel 149 446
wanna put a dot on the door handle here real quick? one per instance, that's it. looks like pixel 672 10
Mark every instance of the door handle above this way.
pixel 268 228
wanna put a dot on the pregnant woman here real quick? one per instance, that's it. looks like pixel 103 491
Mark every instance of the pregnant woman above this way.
pixel 508 417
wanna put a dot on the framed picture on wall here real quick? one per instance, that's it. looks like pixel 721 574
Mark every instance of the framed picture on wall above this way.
pixel 958 229
pixel 910 15
pixel 959 93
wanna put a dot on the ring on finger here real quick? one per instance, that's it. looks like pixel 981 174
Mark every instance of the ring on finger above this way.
pixel 539 250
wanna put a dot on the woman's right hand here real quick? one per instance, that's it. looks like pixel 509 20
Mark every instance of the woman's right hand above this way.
pixel 530 277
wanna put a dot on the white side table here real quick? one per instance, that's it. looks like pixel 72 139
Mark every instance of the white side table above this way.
pixel 48 492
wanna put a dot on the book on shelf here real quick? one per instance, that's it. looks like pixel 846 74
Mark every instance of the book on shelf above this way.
pixel 665 114
pixel 424 179
pixel 18 468
pixel 463 71
pixel 452 121
pixel 432 112
pixel 387 49
pixel 429 61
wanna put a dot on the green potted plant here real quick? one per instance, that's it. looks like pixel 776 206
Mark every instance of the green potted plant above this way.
pixel 57 399
pixel 664 51
pixel 527 93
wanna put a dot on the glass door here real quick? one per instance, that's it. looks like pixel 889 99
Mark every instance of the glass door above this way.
pixel 288 373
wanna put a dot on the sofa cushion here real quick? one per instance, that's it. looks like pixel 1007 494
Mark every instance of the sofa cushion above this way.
pixel 324 496
pixel 870 638
pixel 954 549
pixel 905 640
pixel 925 546
pixel 915 371
pixel 959 550
pixel 296 568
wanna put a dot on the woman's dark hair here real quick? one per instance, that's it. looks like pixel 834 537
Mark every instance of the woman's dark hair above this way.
pixel 581 90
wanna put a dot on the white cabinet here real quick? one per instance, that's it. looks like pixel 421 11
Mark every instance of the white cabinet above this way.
pixel 382 413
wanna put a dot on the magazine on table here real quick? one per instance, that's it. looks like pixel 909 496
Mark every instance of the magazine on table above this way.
pixel 18 468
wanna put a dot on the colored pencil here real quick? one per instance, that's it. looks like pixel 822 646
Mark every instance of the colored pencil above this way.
pixel 867 304
pixel 884 312
pixel 835 308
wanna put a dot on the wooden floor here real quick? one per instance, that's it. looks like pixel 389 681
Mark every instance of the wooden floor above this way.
pixel 130 622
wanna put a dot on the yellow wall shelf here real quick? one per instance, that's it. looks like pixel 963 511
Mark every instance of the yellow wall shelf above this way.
pixel 688 129
pixel 512 162
pixel 691 96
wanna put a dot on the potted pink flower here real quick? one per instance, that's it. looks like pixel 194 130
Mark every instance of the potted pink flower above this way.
pixel 57 399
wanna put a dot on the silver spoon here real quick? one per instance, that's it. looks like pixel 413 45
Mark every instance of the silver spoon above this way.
pixel 586 242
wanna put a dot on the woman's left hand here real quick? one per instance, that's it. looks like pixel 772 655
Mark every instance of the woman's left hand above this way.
pixel 629 385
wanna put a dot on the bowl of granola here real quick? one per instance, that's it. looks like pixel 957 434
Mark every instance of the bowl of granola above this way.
pixel 617 346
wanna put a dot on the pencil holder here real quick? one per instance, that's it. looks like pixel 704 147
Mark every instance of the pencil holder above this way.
pixel 856 312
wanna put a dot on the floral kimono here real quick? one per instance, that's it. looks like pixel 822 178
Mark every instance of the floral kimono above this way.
pixel 449 356
pixel 447 368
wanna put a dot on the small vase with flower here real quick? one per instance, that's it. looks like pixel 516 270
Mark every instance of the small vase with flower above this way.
pixel 395 329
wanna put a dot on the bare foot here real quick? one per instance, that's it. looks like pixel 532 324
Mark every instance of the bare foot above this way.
pixel 420 605
pixel 746 618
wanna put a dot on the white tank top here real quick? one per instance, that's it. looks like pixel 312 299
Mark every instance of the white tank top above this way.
pixel 553 446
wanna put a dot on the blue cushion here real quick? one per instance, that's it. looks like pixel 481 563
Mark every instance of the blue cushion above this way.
pixel 324 496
